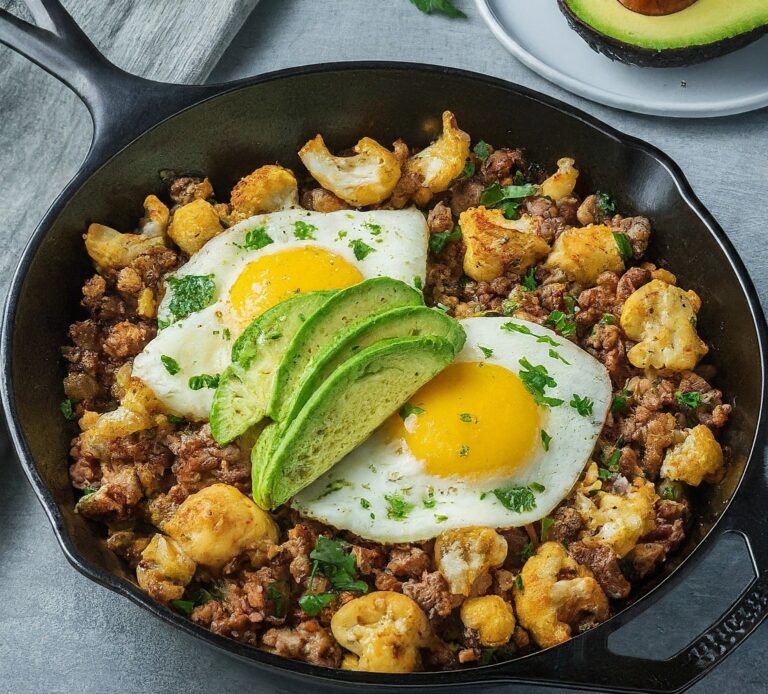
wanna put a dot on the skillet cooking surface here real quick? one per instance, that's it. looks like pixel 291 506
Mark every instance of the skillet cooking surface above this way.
pixel 226 131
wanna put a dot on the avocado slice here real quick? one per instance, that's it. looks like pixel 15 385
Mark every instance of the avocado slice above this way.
pixel 345 308
pixel 356 399
pixel 704 30
pixel 406 321
pixel 245 387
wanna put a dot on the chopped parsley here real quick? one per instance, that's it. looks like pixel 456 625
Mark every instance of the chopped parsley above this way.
pixel 603 474
pixel 516 328
pixel 440 239
pixel 556 355
pixel 546 525
pixel 529 281
pixel 607 319
pixel 487 351
pixel 482 150
pixel 204 381
pixel 464 451
pixel 334 486
pixel 173 419
pixel 170 364
pixel 446 7
pixel 428 502
pixel 440 519
pixel 313 603
pixel 162 324
pixel 582 405
pixel 619 402
pixel 418 283
pixel 536 379
pixel 625 247
pixel 88 492
pixel 256 239
pixel 68 409
pixel 547 340
pixel 527 552
pixel 375 229
pixel 226 334
pixel 613 461
pixel 510 209
pixel 605 203
pixel 515 498
pixel 562 323
pixel 468 418
pixel 399 508
pixel 468 171
pixel 536 487
pixel 496 194
pixel 407 410
pixel 545 440
pixel 365 503
pixel 338 566
pixel 277 599
pixel 189 294
pixel 304 231
pixel 519 582
pixel 691 399
pixel 361 249
pixel 198 597
pixel 509 306
pixel 183 606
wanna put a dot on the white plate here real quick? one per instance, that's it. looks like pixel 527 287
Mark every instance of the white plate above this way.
pixel 537 33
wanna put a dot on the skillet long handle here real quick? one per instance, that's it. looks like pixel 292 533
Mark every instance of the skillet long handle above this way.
pixel 121 105
pixel 588 663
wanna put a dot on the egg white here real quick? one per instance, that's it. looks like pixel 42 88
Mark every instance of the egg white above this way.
pixel 201 343
pixel 352 495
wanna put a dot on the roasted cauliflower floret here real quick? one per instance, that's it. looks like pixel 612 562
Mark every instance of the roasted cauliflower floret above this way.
pixel 491 617
pixel 582 253
pixel 463 555
pixel 495 243
pixel 439 164
pixel 154 223
pixel 367 178
pixel 561 183
pixel 619 521
pixel 138 411
pixel 385 630
pixel 164 569
pixel 194 225
pixel 268 189
pixel 697 458
pixel 111 250
pixel 551 609
pixel 662 320
pixel 219 522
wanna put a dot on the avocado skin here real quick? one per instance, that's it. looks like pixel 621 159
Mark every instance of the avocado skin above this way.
pixel 356 399
pixel 645 57
pixel 405 321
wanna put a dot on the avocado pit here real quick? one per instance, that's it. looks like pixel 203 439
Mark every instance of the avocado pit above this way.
pixel 657 8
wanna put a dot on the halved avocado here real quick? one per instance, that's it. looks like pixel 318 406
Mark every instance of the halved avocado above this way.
pixel 406 321
pixel 345 410
pixel 705 30
pixel 245 387
pixel 347 307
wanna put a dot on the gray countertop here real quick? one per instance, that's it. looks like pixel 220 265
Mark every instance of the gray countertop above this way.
pixel 60 632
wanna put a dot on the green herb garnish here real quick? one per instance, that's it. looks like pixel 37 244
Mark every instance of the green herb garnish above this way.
pixel 334 486
pixel 495 193
pixel 68 409
pixel 256 239
pixel 313 603
pixel 519 582
pixel 582 405
pixel 440 519
pixel 691 399
pixel 204 381
pixel 562 323
pixel 536 379
pixel 545 440
pixel 529 281
pixel 527 552
pixel 360 248
pixel 365 503
pixel 546 526
pixel 190 293
pixel 439 240
pixel 607 319
pixel 173 419
pixel 605 203
pixel 620 401
pixel 277 598
pixel 304 231
pixel 466 417
pixel 407 410
pixel 482 150
pixel 183 606
pixel 625 247
pixel 170 364
pixel 445 7
pixel 556 355
pixel 515 498
pixel 464 451
pixel 487 351
pixel 399 508
pixel 468 171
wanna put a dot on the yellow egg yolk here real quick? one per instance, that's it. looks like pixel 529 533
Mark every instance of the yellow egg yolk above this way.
pixel 275 277
pixel 478 420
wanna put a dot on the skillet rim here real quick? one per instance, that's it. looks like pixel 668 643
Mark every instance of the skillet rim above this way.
pixel 93 162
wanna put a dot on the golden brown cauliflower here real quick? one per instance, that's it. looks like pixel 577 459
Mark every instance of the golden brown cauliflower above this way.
pixel 155 219
pixel 385 630
pixel 619 521
pixel 439 164
pixel 367 178
pixel 697 458
pixel 582 253
pixel 561 183
pixel 194 225
pixel 268 189
pixel 550 609
pixel 164 569
pixel 463 555
pixel 495 243
pixel 491 617
pixel 218 523
pixel 661 318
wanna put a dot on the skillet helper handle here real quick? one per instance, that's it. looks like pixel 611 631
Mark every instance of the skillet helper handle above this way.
pixel 121 105
pixel 587 661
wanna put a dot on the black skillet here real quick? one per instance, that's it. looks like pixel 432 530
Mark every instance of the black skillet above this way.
pixel 226 130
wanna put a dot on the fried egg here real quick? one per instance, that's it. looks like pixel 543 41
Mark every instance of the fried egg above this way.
pixel 255 265
pixel 497 439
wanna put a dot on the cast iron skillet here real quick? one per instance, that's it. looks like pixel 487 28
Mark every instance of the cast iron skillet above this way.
pixel 141 127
